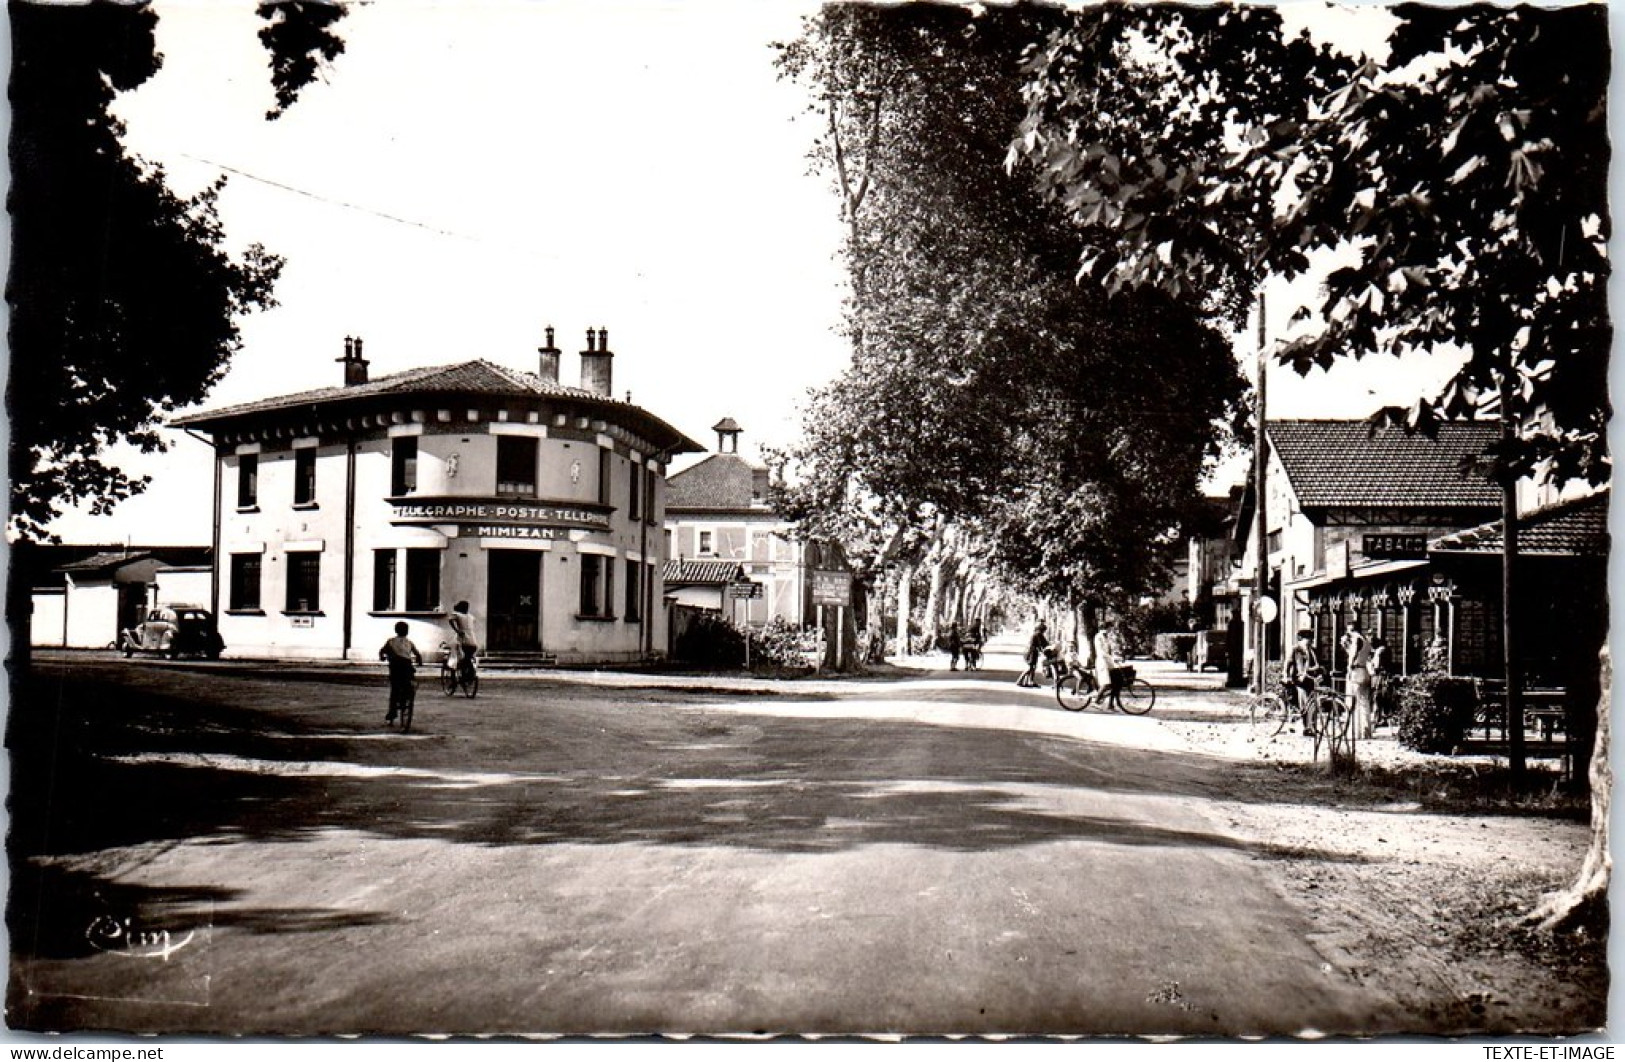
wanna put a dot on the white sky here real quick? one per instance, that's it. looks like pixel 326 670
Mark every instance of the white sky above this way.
pixel 628 164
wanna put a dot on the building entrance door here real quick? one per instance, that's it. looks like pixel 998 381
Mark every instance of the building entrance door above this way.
pixel 514 583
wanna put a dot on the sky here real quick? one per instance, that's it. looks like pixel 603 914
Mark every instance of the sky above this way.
pixel 467 174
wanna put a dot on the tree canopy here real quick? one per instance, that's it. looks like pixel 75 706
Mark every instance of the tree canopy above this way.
pixel 124 300
pixel 1067 426
pixel 1464 178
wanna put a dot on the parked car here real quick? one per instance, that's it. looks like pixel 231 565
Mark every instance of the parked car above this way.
pixel 174 630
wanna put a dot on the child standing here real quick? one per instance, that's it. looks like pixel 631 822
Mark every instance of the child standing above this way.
pixel 403 659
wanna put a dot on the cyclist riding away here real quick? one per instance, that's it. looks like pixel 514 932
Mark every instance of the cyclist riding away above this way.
pixel 403 658
pixel 1300 675
pixel 466 643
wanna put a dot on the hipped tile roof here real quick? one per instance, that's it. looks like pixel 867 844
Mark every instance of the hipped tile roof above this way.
pixel 1342 464
pixel 1575 528
pixel 477 377
pixel 720 482
pixel 702 572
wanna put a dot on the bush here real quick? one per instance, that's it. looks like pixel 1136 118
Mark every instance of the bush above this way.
pixel 1435 711
pixel 711 641
pixel 783 644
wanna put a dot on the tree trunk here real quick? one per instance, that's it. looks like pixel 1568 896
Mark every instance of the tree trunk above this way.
pixel 905 607
pixel 1559 910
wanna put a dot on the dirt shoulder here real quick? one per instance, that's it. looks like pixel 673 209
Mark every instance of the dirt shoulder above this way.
pixel 1424 874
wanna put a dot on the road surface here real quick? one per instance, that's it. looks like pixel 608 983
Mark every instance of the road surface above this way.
pixel 245 848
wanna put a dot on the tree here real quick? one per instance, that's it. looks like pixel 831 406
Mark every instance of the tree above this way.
pixel 987 389
pixel 1466 179
pixel 124 300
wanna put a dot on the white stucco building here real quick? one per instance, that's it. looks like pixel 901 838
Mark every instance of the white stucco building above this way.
pixel 341 511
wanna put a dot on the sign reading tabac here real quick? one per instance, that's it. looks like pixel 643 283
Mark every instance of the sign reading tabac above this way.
pixel 832 588
pixel 492 512
pixel 1394 546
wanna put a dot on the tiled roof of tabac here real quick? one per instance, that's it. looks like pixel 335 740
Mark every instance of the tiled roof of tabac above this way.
pixel 720 482
pixel 702 572
pixel 1343 463
pixel 478 377
pixel 1575 528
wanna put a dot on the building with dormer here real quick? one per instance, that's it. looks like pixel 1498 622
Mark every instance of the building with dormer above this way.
pixel 339 512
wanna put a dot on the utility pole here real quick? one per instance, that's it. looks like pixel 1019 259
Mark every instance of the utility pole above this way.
pixel 1516 752
pixel 1261 546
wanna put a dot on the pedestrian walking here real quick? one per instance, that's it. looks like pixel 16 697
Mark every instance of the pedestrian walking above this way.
pixel 954 643
pixel 1357 652
pixel 1035 652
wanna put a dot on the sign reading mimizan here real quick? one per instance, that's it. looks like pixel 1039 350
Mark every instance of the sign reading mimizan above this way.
pixel 1394 546
pixel 500 517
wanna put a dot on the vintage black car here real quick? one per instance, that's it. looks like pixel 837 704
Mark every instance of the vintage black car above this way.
pixel 174 631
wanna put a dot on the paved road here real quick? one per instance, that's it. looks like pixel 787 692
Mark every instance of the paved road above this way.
pixel 247 850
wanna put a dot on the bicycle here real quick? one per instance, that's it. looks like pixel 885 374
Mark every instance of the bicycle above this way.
pixel 402 701
pixel 1334 728
pixel 1268 713
pixel 457 673
pixel 1077 689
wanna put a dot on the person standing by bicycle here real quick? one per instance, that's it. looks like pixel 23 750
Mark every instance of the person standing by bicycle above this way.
pixel 1035 653
pixel 1300 674
pixel 466 638
pixel 1108 663
pixel 403 659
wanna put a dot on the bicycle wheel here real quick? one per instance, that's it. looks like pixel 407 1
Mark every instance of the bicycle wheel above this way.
pixel 448 680
pixel 471 684
pixel 408 702
pixel 1267 714
pixel 1137 697
pixel 1073 692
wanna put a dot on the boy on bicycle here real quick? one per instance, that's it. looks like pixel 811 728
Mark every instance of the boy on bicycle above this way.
pixel 403 659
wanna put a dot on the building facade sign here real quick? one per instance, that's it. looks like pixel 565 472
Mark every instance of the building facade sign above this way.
pixel 491 514
pixel 1391 546
pixel 832 588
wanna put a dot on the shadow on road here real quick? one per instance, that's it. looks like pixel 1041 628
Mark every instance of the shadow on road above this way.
pixel 113 757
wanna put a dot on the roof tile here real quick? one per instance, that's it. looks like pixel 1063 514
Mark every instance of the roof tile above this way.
pixel 702 572
pixel 1575 528
pixel 720 482
pixel 1344 463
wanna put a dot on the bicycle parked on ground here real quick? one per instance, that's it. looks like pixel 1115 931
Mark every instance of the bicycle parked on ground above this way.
pixel 457 672
pixel 1078 689
pixel 1334 727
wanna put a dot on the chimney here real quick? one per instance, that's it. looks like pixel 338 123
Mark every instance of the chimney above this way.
pixel 355 366
pixel 549 367
pixel 595 363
